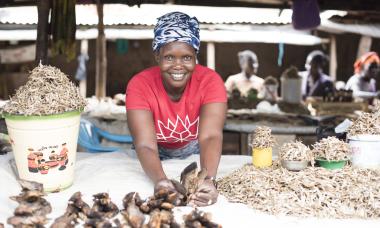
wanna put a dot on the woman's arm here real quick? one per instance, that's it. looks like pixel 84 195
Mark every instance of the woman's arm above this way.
pixel 210 140
pixel 141 126
pixel 210 137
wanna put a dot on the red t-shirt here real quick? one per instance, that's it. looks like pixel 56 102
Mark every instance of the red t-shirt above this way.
pixel 176 123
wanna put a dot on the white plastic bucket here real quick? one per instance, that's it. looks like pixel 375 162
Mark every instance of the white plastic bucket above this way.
pixel 365 151
pixel 45 147
pixel 291 90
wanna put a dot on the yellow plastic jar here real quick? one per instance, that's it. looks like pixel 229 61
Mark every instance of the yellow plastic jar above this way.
pixel 262 157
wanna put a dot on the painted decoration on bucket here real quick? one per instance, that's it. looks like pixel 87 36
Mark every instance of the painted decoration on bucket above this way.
pixel 38 164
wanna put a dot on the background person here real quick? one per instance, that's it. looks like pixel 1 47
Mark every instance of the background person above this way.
pixel 246 79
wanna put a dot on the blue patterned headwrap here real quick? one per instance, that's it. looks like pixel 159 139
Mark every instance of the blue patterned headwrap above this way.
pixel 176 26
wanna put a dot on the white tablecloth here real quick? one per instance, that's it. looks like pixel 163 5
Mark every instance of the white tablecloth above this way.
pixel 118 174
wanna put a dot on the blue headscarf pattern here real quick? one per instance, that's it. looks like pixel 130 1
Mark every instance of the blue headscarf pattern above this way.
pixel 176 26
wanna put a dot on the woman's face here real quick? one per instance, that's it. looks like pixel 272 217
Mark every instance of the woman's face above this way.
pixel 370 70
pixel 177 61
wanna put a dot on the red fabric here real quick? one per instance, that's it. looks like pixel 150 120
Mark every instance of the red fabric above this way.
pixel 370 57
pixel 176 123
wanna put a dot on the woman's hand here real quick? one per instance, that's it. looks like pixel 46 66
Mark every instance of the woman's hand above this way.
pixel 206 194
pixel 165 184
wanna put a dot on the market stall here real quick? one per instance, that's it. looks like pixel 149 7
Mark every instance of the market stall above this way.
pixel 119 173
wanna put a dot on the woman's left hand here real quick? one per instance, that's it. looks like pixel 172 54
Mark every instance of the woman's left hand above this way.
pixel 206 194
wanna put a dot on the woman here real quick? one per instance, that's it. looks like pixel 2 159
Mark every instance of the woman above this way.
pixel 363 83
pixel 177 108
pixel 314 82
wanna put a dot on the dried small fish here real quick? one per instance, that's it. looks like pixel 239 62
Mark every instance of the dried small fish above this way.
pixel 295 151
pixel 47 91
pixel 366 124
pixel 331 148
pixel 262 138
pixel 312 192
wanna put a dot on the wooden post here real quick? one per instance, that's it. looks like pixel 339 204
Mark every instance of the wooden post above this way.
pixel 101 58
pixel 211 55
pixel 333 58
pixel 43 7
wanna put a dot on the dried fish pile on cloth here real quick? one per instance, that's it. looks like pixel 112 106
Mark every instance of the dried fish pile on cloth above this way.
pixel 313 192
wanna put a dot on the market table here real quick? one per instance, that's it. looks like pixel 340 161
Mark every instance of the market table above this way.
pixel 245 127
pixel 120 172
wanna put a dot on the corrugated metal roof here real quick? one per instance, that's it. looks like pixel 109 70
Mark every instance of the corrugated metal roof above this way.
pixel 225 36
pixel 147 14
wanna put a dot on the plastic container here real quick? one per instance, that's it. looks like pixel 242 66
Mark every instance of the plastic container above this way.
pixel 45 147
pixel 365 151
pixel 291 90
pixel 294 165
pixel 332 164
pixel 262 157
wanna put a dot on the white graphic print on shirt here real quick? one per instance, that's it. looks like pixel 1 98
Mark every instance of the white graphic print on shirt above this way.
pixel 181 130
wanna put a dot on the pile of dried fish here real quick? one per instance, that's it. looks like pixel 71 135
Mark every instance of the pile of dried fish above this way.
pixel 366 124
pixel 262 138
pixel 32 209
pixel 295 151
pixel 48 91
pixel 155 211
pixel 331 148
pixel 312 192
pixel 102 210
pixel 198 218
pixel 76 210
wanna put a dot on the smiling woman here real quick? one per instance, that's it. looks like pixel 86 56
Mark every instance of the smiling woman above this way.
pixel 177 108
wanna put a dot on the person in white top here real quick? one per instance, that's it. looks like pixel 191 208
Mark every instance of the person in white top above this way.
pixel 363 82
pixel 246 79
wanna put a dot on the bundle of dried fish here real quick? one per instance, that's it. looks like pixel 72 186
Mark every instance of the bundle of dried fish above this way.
pixel 76 210
pixel 295 151
pixel 162 218
pixel 312 192
pixel 199 219
pixel 331 148
pixel 48 91
pixel 132 213
pixel 191 179
pixel 101 212
pixel 262 138
pixel 158 207
pixel 365 124
pixel 103 206
pixel 33 207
